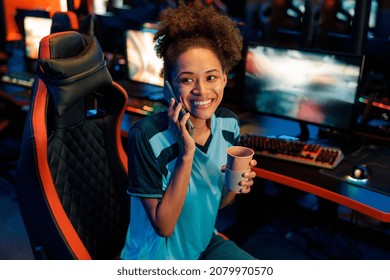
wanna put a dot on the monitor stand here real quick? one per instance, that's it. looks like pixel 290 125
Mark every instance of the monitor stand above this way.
pixel 304 134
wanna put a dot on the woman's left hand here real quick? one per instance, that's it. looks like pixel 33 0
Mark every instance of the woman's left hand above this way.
pixel 248 175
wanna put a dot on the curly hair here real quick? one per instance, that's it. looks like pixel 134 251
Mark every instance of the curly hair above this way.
pixel 196 25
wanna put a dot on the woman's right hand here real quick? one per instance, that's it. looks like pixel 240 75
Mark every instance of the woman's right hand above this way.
pixel 180 128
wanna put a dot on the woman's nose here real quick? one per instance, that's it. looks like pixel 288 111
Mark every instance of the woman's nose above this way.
pixel 199 87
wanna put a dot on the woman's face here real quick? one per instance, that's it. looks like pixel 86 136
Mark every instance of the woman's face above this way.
pixel 199 81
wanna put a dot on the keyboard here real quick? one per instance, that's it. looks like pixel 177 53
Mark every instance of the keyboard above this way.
pixel 144 107
pixel 23 79
pixel 293 150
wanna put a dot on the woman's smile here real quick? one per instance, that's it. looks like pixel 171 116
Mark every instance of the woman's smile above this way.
pixel 200 104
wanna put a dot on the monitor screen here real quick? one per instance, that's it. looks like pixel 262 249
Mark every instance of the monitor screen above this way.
pixel 313 87
pixel 142 62
pixel 35 28
pixel 99 7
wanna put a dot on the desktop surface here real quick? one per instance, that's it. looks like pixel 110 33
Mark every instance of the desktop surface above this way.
pixel 309 179
pixel 371 198
pixel 376 159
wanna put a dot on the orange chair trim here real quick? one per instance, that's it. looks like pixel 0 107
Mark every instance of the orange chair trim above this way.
pixel 121 150
pixel 322 192
pixel 74 22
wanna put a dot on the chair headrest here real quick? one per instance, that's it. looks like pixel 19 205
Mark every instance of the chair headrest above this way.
pixel 64 21
pixel 72 66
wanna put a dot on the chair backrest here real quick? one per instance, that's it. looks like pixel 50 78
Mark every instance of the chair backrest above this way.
pixel 382 25
pixel 64 21
pixel 72 170
pixel 332 27
pixel 281 22
pixel 329 19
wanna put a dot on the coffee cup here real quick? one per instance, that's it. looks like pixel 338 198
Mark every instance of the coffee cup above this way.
pixel 238 159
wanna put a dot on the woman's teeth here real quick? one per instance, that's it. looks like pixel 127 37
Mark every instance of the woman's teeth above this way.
pixel 201 103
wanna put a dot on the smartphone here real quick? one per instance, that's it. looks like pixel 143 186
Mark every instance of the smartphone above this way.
pixel 168 93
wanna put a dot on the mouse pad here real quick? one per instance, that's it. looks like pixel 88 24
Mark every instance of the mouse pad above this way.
pixel 377 159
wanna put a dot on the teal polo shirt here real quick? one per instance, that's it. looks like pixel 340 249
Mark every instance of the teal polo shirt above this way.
pixel 152 155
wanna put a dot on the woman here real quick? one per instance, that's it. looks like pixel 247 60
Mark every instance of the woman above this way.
pixel 176 181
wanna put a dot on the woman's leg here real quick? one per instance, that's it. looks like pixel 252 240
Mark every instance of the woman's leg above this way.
pixel 222 249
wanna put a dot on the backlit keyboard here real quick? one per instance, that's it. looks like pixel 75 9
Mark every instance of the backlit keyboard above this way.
pixel 293 150
pixel 144 107
pixel 23 79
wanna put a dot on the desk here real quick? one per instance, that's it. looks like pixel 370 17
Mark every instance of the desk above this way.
pixel 308 178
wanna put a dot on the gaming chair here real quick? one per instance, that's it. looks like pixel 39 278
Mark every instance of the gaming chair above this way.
pixel 72 170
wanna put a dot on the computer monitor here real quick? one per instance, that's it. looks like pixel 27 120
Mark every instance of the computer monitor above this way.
pixel 35 28
pixel 143 65
pixel 21 14
pixel 310 87
pixel 99 7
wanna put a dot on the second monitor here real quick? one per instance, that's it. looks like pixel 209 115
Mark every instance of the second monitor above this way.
pixel 142 62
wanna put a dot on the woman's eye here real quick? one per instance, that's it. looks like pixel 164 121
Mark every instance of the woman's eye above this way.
pixel 210 78
pixel 186 80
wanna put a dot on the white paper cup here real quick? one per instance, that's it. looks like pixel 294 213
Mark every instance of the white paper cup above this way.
pixel 233 179
pixel 238 159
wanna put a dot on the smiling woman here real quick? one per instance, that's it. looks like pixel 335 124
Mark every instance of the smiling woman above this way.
pixel 176 179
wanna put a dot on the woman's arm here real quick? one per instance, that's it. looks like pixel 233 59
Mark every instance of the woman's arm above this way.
pixel 164 213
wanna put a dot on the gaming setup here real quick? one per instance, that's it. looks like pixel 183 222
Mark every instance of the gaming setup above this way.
pixel 310 87
pixel 306 86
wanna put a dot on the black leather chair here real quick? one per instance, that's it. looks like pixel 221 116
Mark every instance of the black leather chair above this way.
pixel 333 27
pixel 72 170
pixel 64 21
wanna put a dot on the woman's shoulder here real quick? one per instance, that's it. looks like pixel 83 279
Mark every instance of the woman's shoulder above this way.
pixel 152 124
pixel 223 112
pixel 159 119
